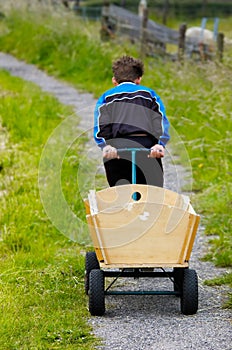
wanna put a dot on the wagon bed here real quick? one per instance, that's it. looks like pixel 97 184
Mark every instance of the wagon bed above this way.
pixel 155 230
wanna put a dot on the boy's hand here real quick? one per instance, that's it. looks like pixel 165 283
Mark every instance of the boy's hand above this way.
pixel 110 152
pixel 157 151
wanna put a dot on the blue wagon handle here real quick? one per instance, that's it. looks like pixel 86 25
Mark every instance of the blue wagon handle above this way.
pixel 133 151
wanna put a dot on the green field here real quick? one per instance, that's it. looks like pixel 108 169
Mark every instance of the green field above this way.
pixel 42 272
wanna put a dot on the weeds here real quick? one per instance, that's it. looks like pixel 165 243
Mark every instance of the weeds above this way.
pixel 41 271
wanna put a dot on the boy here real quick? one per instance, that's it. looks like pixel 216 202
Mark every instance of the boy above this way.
pixel 131 115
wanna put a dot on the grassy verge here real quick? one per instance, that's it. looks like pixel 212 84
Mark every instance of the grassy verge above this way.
pixel 197 96
pixel 41 271
pixel 201 113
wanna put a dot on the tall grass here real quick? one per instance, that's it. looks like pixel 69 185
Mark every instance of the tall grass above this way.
pixel 41 271
pixel 71 50
pixel 201 112
pixel 197 96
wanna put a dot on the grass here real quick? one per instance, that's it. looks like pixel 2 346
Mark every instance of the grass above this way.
pixel 201 113
pixel 72 51
pixel 41 271
pixel 43 303
pixel 226 279
pixel 198 100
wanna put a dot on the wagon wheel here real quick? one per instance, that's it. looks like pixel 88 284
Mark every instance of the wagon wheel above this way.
pixel 96 293
pixel 178 279
pixel 189 297
pixel 91 263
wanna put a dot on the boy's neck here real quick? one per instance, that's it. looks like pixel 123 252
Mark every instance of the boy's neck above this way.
pixel 136 81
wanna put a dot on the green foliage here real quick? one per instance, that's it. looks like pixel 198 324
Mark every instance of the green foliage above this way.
pixel 41 272
pixel 30 122
pixel 42 301
pixel 72 51
pixel 220 281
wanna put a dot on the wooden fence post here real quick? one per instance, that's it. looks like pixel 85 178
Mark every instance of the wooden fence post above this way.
pixel 143 36
pixel 220 46
pixel 165 11
pixel 76 6
pixel 181 45
pixel 106 31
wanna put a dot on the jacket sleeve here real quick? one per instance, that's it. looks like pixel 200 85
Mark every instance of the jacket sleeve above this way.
pixel 102 124
pixel 164 137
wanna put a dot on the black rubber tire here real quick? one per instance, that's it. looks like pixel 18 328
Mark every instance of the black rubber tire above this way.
pixel 96 293
pixel 189 297
pixel 91 263
pixel 178 279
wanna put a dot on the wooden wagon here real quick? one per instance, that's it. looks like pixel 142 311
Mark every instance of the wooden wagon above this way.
pixel 136 229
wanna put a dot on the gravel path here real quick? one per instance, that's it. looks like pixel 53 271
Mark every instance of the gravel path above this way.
pixel 146 322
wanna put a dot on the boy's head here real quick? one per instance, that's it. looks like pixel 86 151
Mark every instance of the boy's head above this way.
pixel 127 68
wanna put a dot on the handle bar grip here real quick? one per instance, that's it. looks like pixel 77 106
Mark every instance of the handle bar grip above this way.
pixel 135 149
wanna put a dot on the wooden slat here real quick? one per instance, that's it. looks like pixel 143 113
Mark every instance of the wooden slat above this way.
pixel 136 265
pixel 94 237
pixel 193 235
pixel 122 195
pixel 141 236
pixel 126 19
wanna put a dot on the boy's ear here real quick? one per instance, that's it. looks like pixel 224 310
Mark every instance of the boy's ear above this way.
pixel 114 81
pixel 138 80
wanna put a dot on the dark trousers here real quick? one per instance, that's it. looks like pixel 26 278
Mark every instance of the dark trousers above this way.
pixel 148 170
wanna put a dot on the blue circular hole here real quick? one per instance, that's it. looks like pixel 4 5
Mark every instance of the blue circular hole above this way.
pixel 136 196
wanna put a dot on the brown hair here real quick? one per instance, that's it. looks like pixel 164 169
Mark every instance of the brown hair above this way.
pixel 127 68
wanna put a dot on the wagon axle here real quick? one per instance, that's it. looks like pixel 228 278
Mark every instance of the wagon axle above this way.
pixel 184 280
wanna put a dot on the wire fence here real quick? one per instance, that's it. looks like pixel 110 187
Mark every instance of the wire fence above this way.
pixel 185 9
pixel 153 38
pixel 175 9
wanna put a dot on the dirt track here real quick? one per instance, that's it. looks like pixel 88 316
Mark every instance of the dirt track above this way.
pixel 146 322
